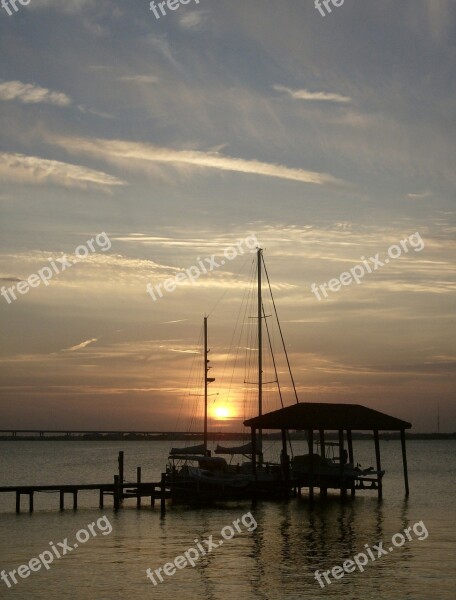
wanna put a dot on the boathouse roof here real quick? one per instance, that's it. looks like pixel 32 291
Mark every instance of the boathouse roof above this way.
pixel 317 415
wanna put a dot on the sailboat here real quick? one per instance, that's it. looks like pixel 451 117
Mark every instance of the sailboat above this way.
pixel 193 471
pixel 268 475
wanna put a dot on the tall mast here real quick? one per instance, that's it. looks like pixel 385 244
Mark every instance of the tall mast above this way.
pixel 260 354
pixel 206 369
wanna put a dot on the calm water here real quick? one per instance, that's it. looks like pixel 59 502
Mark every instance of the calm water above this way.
pixel 276 561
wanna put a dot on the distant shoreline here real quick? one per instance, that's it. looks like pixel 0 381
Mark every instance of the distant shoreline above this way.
pixel 213 437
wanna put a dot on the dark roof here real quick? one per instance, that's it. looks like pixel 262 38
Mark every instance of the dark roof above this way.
pixel 316 415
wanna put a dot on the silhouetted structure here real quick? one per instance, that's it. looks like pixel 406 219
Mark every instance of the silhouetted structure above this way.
pixel 313 470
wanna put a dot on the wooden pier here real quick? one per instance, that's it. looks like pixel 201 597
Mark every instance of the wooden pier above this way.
pixel 118 489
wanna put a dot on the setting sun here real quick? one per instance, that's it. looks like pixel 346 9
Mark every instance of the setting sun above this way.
pixel 222 412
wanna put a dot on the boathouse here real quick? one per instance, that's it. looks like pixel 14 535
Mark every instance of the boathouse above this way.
pixel 320 418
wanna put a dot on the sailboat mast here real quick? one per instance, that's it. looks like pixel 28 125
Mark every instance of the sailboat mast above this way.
pixel 260 353
pixel 205 383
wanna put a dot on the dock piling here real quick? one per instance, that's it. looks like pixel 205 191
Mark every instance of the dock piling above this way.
pixel 379 463
pixel 121 474
pixel 163 493
pixel 138 483
pixel 116 493
pixel 404 462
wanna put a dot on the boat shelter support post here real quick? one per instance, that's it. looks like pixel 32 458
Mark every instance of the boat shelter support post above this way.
pixel 323 490
pixel 351 459
pixel 378 463
pixel 62 500
pixel 310 438
pixel 404 462
pixel 285 461
pixel 343 490
pixel 254 450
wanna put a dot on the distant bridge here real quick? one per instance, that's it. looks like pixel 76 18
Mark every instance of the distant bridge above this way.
pixel 67 433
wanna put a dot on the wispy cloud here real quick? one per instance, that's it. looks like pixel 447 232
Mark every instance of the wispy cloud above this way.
pixel 81 345
pixel 133 155
pixel 28 93
pixel 176 321
pixel 19 168
pixel 192 19
pixel 74 6
pixel 312 96
pixel 420 196
pixel 138 78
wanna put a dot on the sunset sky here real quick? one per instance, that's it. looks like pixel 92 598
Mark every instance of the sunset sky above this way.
pixel 327 138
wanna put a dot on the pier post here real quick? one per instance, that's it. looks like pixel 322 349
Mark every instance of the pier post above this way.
pixel 116 493
pixel 343 489
pixel 75 500
pixel 101 498
pixel 121 474
pixel 379 463
pixel 62 500
pixel 163 493
pixel 18 502
pixel 138 483
pixel 30 501
pixel 351 458
pixel 404 462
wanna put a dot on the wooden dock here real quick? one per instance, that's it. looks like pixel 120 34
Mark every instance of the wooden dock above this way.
pixel 118 489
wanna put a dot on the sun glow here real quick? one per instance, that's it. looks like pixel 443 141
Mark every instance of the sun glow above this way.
pixel 222 412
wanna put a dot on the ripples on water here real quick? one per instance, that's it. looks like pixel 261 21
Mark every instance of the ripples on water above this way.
pixel 276 561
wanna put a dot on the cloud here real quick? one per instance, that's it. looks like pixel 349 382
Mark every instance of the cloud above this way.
pixel 139 78
pixel 72 7
pixel 28 93
pixel 19 168
pixel 128 154
pixel 10 279
pixel 313 96
pixel 420 196
pixel 176 321
pixel 192 20
pixel 81 345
